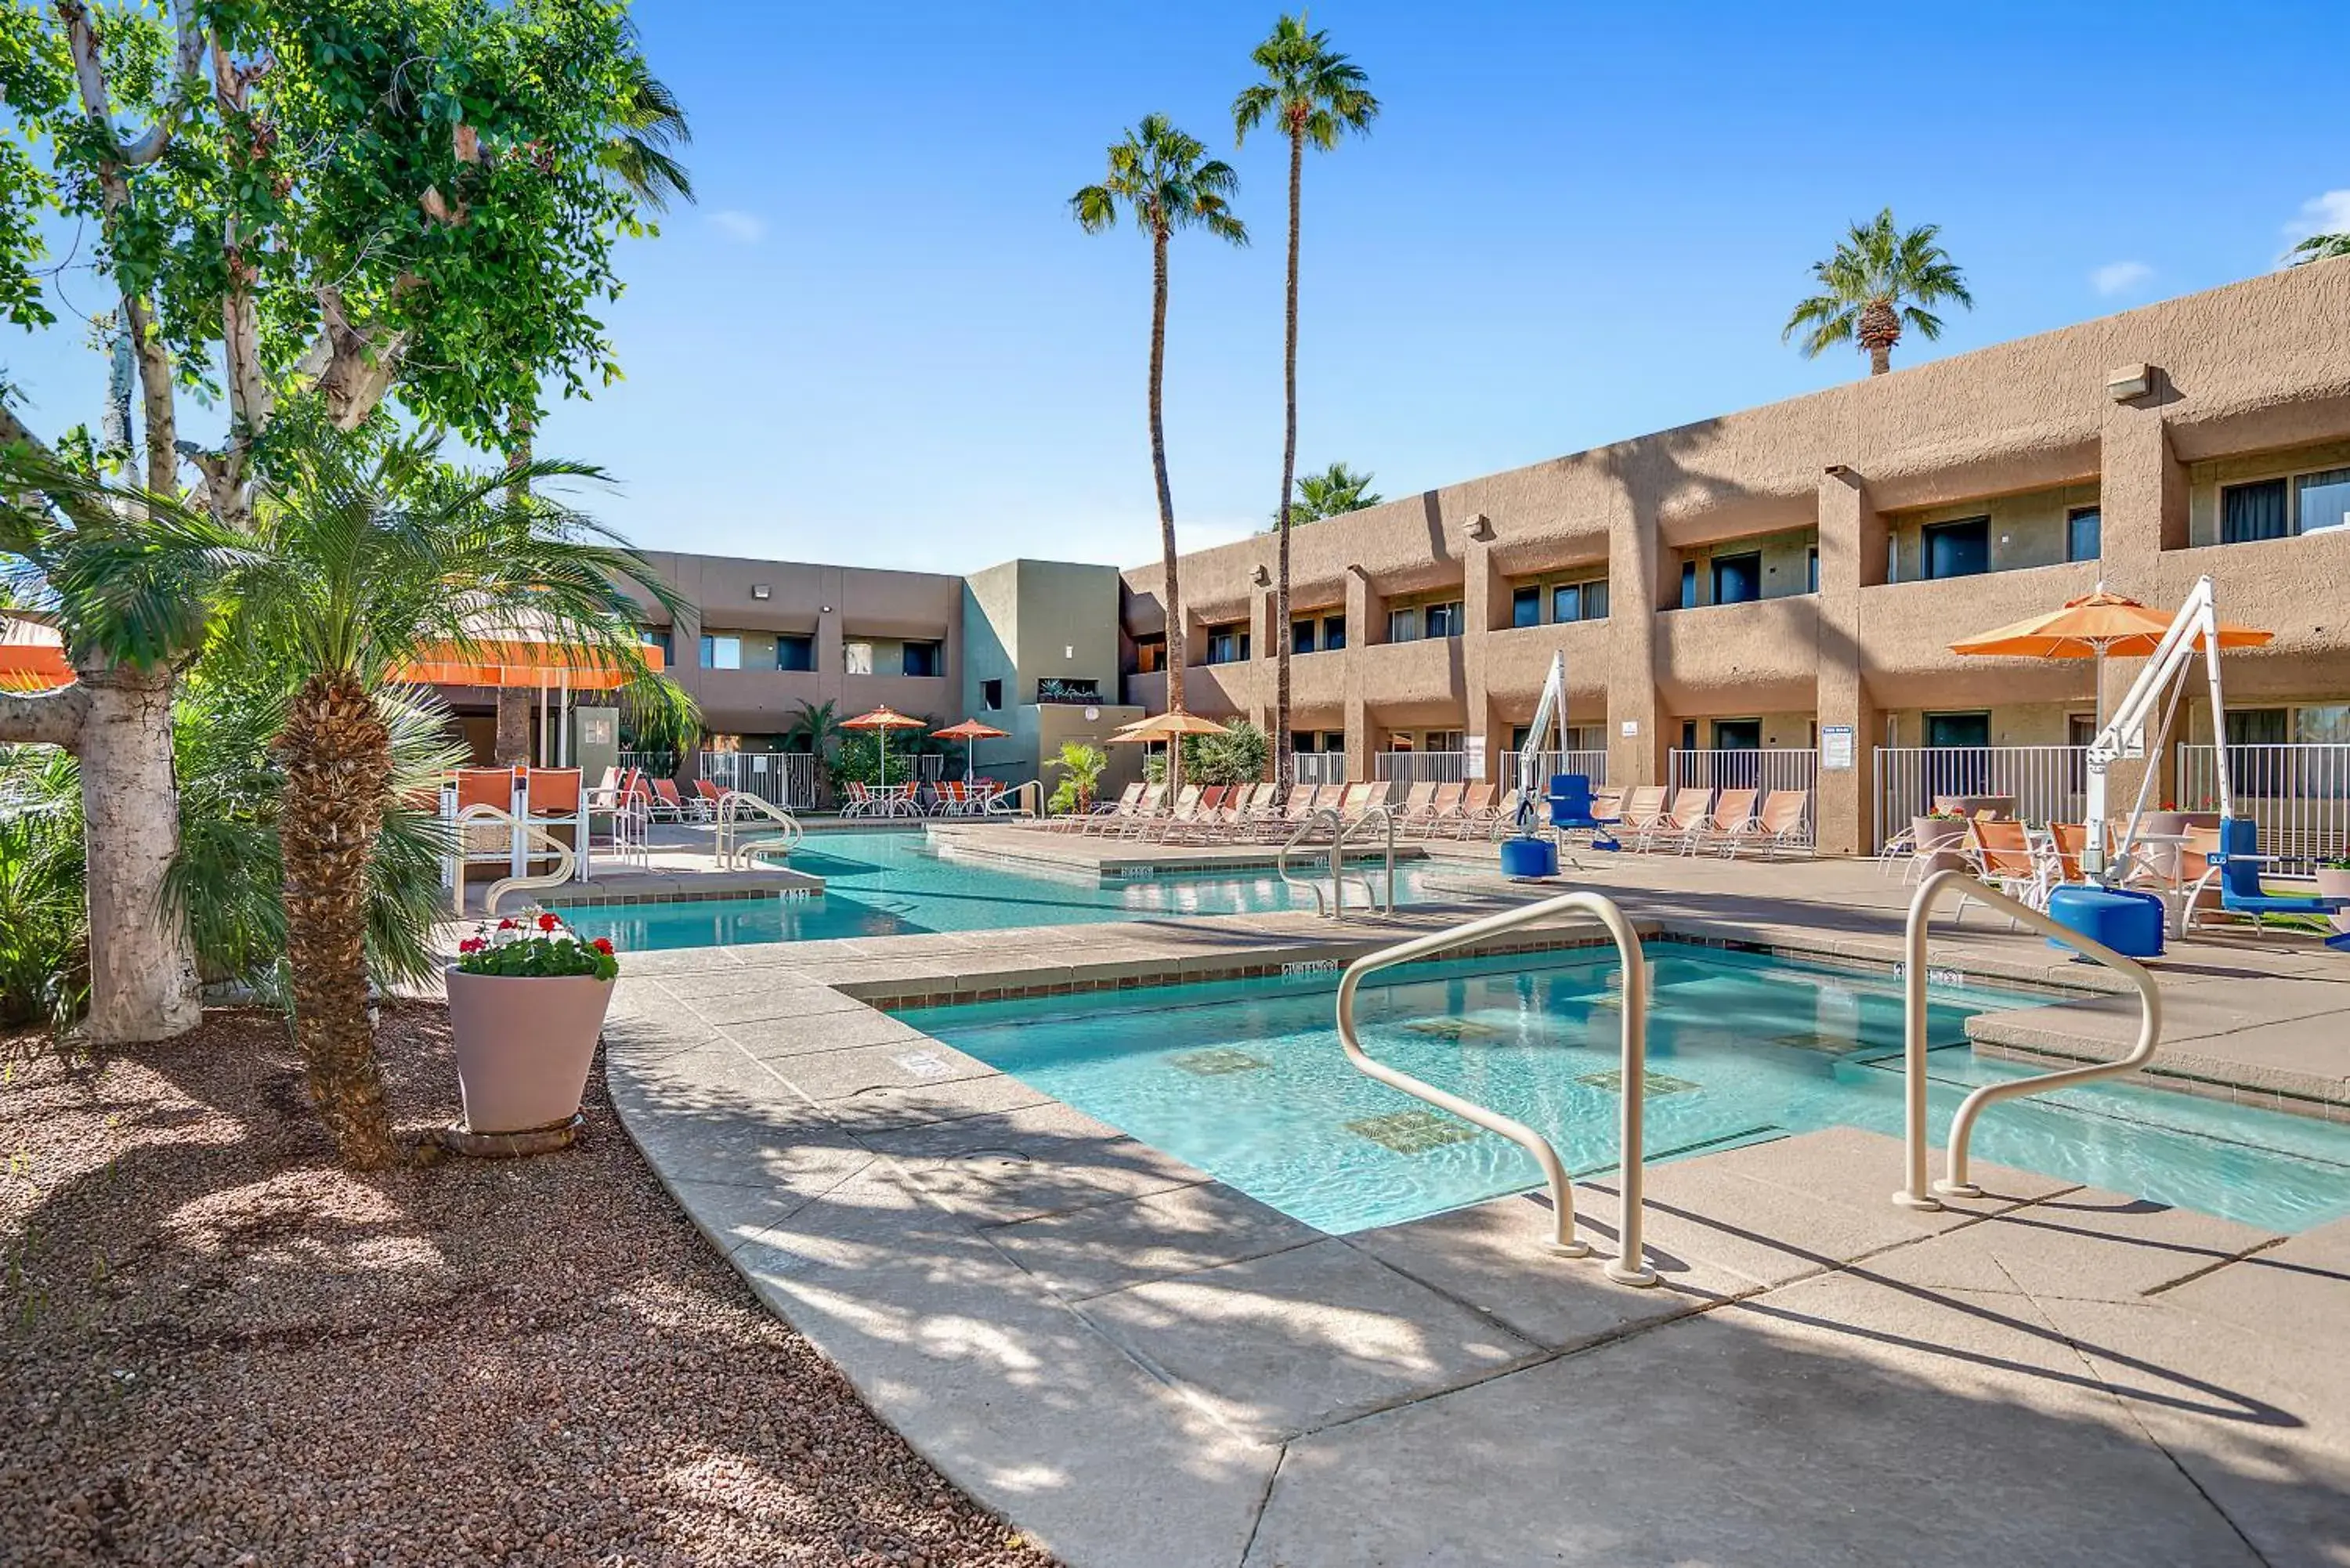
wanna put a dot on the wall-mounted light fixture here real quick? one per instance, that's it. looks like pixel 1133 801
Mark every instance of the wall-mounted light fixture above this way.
pixel 824 609
pixel 1838 471
pixel 758 590
pixel 2129 381
pixel 1481 527
pixel 1068 651
pixel 1261 576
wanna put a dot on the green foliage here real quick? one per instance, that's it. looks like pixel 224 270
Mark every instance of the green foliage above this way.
pixel 1235 757
pixel 1164 180
pixel 858 760
pixel 1879 280
pixel 2318 248
pixel 535 945
pixel 1336 489
pixel 43 967
pixel 659 716
pixel 1080 767
pixel 1311 92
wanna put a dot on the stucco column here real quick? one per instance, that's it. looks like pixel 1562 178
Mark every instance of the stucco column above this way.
pixel 2142 499
pixel 1636 587
pixel 1485 607
pixel 1362 606
pixel 831 661
pixel 1852 536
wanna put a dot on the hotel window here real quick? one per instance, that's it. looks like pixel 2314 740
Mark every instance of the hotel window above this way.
pixel 1689 585
pixel 1525 606
pixel 1322 634
pixel 2083 534
pixel 1738 579
pixel 1441 740
pixel 657 637
pixel 925 659
pixel 1403 625
pixel 1579 601
pixel 1812 570
pixel 856 657
pixel 1961 549
pixel 2276 508
pixel 1150 654
pixel 721 652
pixel 1738 734
pixel 1442 620
pixel 1301 636
pixel 1334 634
pixel 1227 644
pixel 794 652
pixel 990 696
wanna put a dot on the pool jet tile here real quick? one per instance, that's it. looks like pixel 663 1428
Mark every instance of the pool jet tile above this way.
pixel 1284 1343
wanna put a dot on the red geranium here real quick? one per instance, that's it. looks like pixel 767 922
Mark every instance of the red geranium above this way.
pixel 602 944
pixel 547 922
pixel 508 924
pixel 473 945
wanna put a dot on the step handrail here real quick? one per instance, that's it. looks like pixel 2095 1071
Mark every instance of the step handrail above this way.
pixel 1915 1192
pixel 1630 1267
pixel 1305 827
pixel 1337 860
pixel 565 858
pixel 732 849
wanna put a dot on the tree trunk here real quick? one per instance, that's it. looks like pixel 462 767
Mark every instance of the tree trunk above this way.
pixel 1177 654
pixel 1880 359
pixel 338 758
pixel 143 968
pixel 512 745
pixel 1284 761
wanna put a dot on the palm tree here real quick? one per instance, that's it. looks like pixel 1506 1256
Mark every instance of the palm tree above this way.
pixel 1316 95
pixel 1336 489
pixel 1879 280
pixel 2318 248
pixel 362 551
pixel 1164 180
pixel 816 727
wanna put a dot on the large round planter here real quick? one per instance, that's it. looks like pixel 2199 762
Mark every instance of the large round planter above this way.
pixel 1939 843
pixel 523 1047
pixel 2334 883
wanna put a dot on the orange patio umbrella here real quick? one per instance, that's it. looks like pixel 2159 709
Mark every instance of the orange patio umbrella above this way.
pixel 1166 727
pixel 2094 626
pixel 975 731
pixel 32 658
pixel 883 719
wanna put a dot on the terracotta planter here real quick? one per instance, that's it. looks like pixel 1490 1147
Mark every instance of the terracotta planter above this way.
pixel 1939 842
pixel 523 1047
pixel 2334 883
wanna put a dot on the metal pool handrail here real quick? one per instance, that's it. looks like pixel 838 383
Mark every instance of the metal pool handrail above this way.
pixel 1338 860
pixel 565 858
pixel 1630 1267
pixel 732 849
pixel 1335 907
pixel 1915 1192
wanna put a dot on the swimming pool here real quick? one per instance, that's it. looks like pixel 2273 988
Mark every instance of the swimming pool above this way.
pixel 893 884
pixel 1247 1081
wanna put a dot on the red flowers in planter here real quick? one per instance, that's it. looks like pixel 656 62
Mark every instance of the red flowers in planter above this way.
pixel 547 922
pixel 472 944
pixel 602 944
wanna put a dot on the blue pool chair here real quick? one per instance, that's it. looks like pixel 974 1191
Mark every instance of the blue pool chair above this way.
pixel 2237 861
pixel 1570 811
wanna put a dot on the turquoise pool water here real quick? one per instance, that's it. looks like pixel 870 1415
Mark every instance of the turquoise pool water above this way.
pixel 1247 1081
pixel 892 884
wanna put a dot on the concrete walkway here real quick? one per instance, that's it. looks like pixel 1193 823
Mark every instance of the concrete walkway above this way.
pixel 1140 1365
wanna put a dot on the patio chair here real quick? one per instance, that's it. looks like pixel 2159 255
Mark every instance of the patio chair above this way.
pixel 2001 853
pixel 1152 806
pixel 1444 811
pixel 668 805
pixel 1286 813
pixel 1783 823
pixel 553 798
pixel 710 794
pixel 1681 822
pixel 1180 816
pixel 1418 801
pixel 1571 811
pixel 2235 862
pixel 1477 813
pixel 1729 822
pixel 1107 816
pixel 1642 811
pixel 1245 815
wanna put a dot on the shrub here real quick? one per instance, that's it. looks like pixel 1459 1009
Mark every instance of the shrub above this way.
pixel 1236 757
pixel 44 959
pixel 1081 770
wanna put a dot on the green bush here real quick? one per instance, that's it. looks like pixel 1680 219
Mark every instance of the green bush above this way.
pixel 43 958
pixel 1236 757
pixel 1080 767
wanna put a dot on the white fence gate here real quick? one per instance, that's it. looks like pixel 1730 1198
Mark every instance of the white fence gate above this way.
pixel 1319 767
pixel 2045 783
pixel 2299 793
pixel 780 778
pixel 1762 768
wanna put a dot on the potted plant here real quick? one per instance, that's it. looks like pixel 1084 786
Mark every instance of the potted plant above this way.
pixel 1940 839
pixel 2334 882
pixel 526 1000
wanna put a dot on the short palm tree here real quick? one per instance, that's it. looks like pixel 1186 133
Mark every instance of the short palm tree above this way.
pixel 2318 248
pixel 1314 94
pixel 1162 181
pixel 1879 280
pixel 816 729
pixel 1336 489
pixel 363 551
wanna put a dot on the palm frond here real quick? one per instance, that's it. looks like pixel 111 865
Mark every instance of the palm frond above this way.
pixel 2318 248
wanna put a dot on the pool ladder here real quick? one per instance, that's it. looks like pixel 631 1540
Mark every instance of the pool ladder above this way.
pixel 1333 907
pixel 738 852
pixel 1915 1191
pixel 1630 1265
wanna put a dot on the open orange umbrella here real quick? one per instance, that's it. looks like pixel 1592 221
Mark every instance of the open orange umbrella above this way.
pixel 975 731
pixel 1166 727
pixel 883 719
pixel 32 658
pixel 2094 626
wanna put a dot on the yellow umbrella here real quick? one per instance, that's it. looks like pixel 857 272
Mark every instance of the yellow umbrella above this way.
pixel 884 719
pixel 1166 727
pixel 2092 626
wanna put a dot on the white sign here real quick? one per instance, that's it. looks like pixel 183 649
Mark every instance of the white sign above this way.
pixel 1473 766
pixel 1631 728
pixel 1836 748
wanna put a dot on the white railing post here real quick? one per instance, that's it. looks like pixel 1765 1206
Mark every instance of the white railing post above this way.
pixel 1630 1266
pixel 1915 1191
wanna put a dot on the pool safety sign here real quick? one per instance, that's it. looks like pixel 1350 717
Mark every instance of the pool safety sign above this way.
pixel 1836 748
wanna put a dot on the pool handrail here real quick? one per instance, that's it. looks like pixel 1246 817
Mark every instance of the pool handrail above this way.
pixel 734 850
pixel 1916 1192
pixel 530 832
pixel 1630 1267
pixel 1335 905
pixel 1386 815
pixel 1307 827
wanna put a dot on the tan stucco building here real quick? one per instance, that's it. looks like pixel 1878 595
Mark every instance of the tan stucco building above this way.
pixel 1770 575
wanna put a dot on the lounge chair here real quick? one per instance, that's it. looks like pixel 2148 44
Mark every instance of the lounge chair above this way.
pixel 1418 801
pixel 1783 823
pixel 668 805
pixel 2001 855
pixel 1730 820
pixel 710 794
pixel 1642 810
pixel 1285 813
pixel 1443 811
pixel 1477 814
pixel 1680 822
pixel 2235 862
pixel 1108 816
pixel 1165 824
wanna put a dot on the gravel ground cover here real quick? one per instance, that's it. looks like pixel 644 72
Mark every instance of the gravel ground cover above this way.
pixel 220 1348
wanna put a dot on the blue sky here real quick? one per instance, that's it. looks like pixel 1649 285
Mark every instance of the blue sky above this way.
pixel 880 340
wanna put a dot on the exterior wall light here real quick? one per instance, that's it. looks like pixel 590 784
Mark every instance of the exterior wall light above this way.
pixel 2129 381
pixel 758 590
pixel 1261 576
pixel 1481 527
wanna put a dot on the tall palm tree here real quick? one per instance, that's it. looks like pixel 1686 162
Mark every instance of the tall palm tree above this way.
pixel 1336 489
pixel 2318 248
pixel 1314 94
pixel 363 550
pixel 1879 280
pixel 1164 180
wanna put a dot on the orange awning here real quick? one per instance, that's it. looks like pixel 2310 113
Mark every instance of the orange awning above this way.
pixel 32 658
pixel 2094 624
pixel 513 662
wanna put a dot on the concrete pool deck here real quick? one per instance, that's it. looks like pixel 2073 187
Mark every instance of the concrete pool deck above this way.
pixel 1138 1364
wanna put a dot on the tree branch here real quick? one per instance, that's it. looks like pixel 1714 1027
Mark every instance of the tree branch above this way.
pixel 85 512
pixel 351 368
pixel 54 718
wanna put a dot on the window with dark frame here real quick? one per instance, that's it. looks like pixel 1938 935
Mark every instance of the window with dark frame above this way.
pixel 1689 585
pixel 1301 636
pixel 2252 512
pixel 1738 579
pixel 2083 534
pixel 795 653
pixel 1960 548
pixel 924 659
pixel 1334 633
pixel 991 695
pixel 1525 606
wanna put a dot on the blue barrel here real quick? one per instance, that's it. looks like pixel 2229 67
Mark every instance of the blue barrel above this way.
pixel 2125 920
pixel 1526 857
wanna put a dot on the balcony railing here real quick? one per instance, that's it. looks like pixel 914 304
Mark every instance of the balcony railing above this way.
pixel 2299 793
pixel 2046 782
pixel 1319 767
pixel 1756 768
pixel 1452 767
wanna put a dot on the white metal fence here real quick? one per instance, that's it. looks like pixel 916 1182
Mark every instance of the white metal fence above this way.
pixel 1764 768
pixel 1591 764
pixel 1319 767
pixel 2300 794
pixel 780 778
pixel 2040 783
pixel 1452 767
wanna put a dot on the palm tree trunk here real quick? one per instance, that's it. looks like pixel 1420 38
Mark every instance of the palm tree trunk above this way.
pixel 1176 651
pixel 1284 761
pixel 1880 359
pixel 338 756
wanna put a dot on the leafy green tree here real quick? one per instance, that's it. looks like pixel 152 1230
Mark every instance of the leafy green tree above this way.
pixel 1164 180
pixel 815 730
pixel 1312 93
pixel 43 967
pixel 1880 279
pixel 1080 767
pixel 337 201
pixel 1336 489
pixel 362 551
